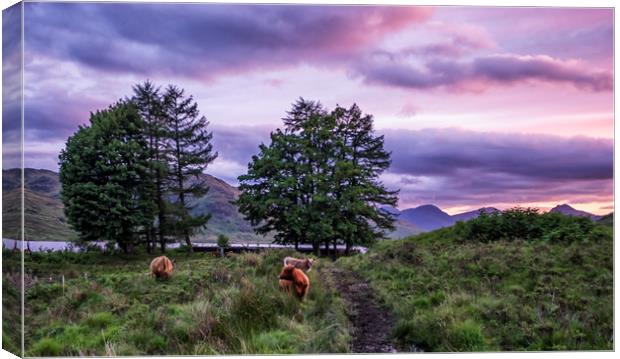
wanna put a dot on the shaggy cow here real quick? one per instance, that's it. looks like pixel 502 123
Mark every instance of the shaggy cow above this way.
pixel 297 279
pixel 285 285
pixel 303 264
pixel 161 267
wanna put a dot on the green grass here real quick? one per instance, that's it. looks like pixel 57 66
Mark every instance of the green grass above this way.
pixel 211 305
pixel 11 308
pixel 451 294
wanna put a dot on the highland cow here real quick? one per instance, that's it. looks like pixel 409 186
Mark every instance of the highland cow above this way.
pixel 161 267
pixel 298 278
pixel 303 264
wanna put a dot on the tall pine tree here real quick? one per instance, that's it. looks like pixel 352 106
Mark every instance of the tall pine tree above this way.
pixel 149 103
pixel 360 160
pixel 190 152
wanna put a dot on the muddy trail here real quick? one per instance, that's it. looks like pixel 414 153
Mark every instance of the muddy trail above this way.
pixel 371 323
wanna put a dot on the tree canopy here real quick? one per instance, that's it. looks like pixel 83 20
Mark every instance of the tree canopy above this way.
pixel 317 181
pixel 129 177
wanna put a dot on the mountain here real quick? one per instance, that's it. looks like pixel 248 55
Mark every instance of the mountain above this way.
pixel 607 220
pixel 428 217
pixel 570 211
pixel 44 216
pixel 466 216
pixel 45 219
pixel 224 215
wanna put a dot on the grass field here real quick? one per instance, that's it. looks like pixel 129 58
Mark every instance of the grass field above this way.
pixel 451 295
pixel 211 305
pixel 506 282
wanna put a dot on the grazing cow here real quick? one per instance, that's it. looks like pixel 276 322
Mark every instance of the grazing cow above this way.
pixel 303 264
pixel 285 285
pixel 161 267
pixel 298 278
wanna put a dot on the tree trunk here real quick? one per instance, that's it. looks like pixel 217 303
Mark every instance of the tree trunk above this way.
pixel 148 239
pixel 123 246
pixel 315 248
pixel 347 248
pixel 326 248
pixel 188 242
pixel 296 245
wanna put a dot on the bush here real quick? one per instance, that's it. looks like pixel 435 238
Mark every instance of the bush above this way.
pixel 47 347
pixel 527 224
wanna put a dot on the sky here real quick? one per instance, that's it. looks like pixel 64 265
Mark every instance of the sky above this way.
pixel 479 106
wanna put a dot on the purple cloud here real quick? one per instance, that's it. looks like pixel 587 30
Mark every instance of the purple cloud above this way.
pixel 448 152
pixel 11 87
pixel 479 73
pixel 201 40
pixel 452 167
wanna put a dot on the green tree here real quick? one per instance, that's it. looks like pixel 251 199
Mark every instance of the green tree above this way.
pixel 222 243
pixel 360 160
pixel 102 169
pixel 270 197
pixel 190 152
pixel 317 182
pixel 148 101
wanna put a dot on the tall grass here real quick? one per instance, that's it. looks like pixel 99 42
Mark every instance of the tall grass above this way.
pixel 211 305
pixel 456 293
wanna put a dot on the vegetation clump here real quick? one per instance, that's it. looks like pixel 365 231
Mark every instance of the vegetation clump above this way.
pixel 528 224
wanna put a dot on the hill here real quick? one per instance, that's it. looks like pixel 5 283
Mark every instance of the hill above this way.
pixel 607 220
pixel 430 217
pixel 450 293
pixel 570 211
pixel 45 219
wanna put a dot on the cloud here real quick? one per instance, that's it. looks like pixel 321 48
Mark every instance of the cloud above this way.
pixel 479 73
pixel 457 167
pixel 447 152
pixel 198 40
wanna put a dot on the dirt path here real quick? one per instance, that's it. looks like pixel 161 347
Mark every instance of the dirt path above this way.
pixel 372 324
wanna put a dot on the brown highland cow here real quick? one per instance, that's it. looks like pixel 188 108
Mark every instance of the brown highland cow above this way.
pixel 303 264
pixel 161 267
pixel 297 278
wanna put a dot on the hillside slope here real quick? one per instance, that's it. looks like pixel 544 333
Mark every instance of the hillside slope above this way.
pixel 454 295
pixel 45 219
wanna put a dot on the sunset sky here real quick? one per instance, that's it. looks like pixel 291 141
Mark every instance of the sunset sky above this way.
pixel 479 106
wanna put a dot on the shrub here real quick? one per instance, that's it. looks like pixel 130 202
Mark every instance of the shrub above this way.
pixel 527 224
pixel 47 347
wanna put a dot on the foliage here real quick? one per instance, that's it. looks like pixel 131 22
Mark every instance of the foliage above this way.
pixel 148 101
pixel 102 169
pixel 487 293
pixel 190 151
pixel 128 178
pixel 223 241
pixel 230 305
pixel 317 181
pixel 527 224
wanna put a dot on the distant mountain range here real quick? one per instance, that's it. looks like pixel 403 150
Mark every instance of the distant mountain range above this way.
pixel 429 217
pixel 45 219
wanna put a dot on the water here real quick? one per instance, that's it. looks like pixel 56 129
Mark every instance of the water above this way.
pixel 42 246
